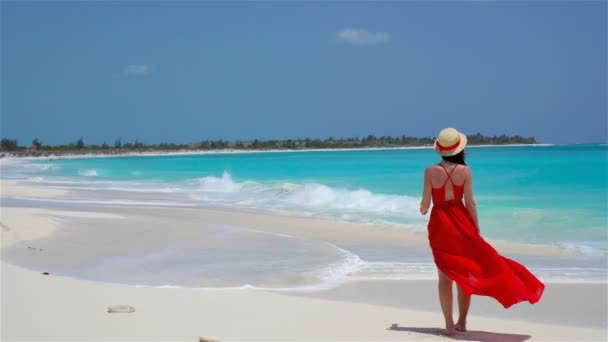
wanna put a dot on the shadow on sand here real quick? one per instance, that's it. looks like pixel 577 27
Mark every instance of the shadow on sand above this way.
pixel 471 335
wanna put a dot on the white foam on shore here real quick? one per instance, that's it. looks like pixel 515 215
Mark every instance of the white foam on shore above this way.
pixel 315 198
pixel 358 270
pixel 311 199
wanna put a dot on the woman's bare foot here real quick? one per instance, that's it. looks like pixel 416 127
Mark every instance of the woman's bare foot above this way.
pixel 449 328
pixel 461 326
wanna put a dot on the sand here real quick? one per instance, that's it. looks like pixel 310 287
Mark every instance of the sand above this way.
pixel 35 306
pixel 45 307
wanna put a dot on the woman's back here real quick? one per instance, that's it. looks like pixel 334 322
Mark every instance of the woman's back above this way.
pixel 447 181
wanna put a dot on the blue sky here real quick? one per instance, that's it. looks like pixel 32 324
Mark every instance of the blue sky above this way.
pixel 188 71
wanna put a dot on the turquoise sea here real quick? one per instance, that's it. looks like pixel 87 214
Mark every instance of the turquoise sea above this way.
pixel 546 195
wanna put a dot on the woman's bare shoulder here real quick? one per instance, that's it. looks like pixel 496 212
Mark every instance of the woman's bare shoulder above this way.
pixel 467 172
pixel 431 168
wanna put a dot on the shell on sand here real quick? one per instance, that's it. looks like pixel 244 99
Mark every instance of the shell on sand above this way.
pixel 202 339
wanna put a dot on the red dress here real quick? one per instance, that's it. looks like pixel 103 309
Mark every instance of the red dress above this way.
pixel 465 257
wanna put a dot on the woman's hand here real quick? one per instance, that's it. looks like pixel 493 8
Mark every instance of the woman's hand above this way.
pixel 423 210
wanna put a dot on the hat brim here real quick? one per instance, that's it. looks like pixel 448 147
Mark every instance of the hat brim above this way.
pixel 455 151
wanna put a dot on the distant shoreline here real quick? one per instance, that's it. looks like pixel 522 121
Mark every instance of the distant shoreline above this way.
pixel 42 155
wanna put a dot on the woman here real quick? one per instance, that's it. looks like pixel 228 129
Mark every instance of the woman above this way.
pixel 460 253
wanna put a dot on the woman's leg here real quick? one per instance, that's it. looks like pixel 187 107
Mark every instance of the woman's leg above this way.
pixel 464 301
pixel 445 298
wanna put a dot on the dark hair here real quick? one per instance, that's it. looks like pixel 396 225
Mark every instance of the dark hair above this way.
pixel 457 158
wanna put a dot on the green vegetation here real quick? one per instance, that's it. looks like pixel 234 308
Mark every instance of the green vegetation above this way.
pixel 36 144
pixel 8 144
pixel 371 141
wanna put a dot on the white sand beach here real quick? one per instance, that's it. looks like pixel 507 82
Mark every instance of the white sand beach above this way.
pixel 35 306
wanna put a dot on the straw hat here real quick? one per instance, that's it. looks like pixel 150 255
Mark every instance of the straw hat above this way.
pixel 450 142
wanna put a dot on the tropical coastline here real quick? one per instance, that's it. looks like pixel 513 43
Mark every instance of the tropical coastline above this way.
pixel 93 154
pixel 303 171
pixel 10 147
pixel 241 186
pixel 348 269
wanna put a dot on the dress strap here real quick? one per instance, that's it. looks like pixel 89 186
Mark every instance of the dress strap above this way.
pixel 449 174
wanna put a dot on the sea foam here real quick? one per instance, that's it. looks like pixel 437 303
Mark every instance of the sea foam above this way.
pixel 313 198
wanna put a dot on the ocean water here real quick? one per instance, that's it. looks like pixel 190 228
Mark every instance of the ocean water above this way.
pixel 545 195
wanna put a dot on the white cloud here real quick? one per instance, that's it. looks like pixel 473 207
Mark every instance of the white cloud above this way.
pixel 140 69
pixel 362 37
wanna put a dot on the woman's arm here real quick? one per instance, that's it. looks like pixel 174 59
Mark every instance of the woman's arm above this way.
pixel 426 193
pixel 469 199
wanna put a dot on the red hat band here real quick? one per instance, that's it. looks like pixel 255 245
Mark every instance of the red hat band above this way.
pixel 448 148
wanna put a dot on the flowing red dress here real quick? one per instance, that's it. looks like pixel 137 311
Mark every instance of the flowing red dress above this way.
pixel 465 257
